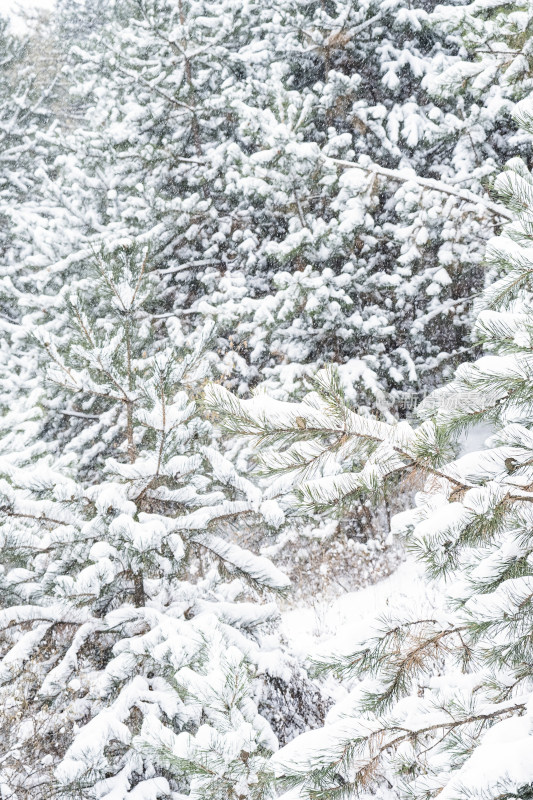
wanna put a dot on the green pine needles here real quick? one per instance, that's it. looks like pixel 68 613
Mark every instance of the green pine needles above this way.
pixel 129 642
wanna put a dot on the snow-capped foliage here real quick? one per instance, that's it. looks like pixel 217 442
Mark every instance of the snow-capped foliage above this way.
pixel 441 700
pixel 363 188
pixel 127 654
pixel 291 194
pixel 303 177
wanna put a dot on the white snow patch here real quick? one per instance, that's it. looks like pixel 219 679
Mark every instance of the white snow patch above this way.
pixel 337 624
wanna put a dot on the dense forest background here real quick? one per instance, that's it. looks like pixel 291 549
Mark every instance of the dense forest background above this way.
pixel 266 336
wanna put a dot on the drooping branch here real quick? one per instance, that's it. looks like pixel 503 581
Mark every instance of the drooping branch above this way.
pixel 383 740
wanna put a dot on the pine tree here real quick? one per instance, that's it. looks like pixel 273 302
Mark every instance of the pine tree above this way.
pixel 440 705
pixel 131 627
pixel 297 182
pixel 497 39
pixel 135 158
pixel 92 184
pixel 367 202
pixel 58 229
pixel 28 98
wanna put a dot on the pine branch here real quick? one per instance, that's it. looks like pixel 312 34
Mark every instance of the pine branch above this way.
pixel 426 183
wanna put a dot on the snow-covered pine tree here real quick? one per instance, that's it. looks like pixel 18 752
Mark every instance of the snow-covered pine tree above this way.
pixel 142 161
pixel 72 211
pixel 496 72
pixel 110 174
pixel 440 705
pixel 368 209
pixel 28 97
pixel 367 201
pixel 130 624
pixel 139 164
pixel 227 136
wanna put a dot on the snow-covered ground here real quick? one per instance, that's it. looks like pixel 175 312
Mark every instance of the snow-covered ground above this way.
pixel 331 625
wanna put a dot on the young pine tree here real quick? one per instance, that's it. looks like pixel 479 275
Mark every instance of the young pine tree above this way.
pixel 440 704
pixel 130 628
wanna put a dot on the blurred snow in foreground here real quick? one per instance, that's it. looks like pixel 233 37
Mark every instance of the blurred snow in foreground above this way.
pixel 18 9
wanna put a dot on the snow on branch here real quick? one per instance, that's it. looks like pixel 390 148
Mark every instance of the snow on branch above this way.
pixel 405 176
